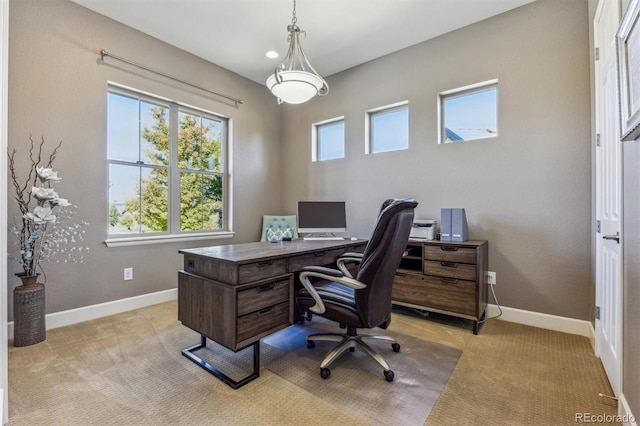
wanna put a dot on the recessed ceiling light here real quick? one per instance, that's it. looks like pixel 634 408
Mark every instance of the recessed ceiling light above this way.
pixel 271 54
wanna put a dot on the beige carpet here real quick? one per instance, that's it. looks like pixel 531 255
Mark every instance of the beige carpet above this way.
pixel 128 370
pixel 357 385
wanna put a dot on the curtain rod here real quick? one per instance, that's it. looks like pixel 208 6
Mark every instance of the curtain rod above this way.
pixel 104 53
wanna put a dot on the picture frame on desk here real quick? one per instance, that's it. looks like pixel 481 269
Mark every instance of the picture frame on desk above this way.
pixel 628 46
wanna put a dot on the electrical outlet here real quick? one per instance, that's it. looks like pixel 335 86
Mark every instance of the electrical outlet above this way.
pixel 491 278
pixel 128 274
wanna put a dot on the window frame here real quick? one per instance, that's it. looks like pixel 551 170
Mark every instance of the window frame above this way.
pixel 465 91
pixel 369 134
pixel 316 139
pixel 174 233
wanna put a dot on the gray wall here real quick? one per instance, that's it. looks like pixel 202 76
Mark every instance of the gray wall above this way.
pixel 528 191
pixel 57 89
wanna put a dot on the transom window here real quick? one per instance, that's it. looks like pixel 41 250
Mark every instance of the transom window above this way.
pixel 469 113
pixel 388 128
pixel 328 140
pixel 166 166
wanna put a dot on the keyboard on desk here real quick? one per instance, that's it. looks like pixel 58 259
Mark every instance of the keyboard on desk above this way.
pixel 323 238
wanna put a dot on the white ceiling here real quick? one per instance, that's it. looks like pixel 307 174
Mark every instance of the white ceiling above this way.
pixel 235 34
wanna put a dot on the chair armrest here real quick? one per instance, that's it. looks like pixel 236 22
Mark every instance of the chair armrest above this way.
pixel 348 257
pixel 327 274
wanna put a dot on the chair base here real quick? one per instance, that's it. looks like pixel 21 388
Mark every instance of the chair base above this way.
pixel 351 341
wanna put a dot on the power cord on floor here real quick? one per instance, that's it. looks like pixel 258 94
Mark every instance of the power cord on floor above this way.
pixel 497 304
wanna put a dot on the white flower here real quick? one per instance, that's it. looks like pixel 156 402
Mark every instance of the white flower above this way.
pixel 60 202
pixel 41 215
pixel 44 194
pixel 47 175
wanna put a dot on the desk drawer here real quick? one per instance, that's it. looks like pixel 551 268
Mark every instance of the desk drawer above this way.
pixel 253 324
pixel 448 269
pixel 319 258
pixel 264 295
pixel 259 270
pixel 450 253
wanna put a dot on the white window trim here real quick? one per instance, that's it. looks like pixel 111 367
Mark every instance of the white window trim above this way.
pixel 368 149
pixel 314 138
pixel 462 91
pixel 157 239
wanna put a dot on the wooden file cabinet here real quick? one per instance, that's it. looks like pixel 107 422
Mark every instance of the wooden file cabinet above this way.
pixel 444 277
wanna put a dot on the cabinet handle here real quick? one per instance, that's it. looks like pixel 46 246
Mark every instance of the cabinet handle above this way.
pixel 449 280
pixel 449 248
pixel 401 274
pixel 319 253
pixel 449 264
pixel 266 287
pixel 264 311
pixel 265 263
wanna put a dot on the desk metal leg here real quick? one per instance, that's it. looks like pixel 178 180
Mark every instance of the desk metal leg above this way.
pixel 220 375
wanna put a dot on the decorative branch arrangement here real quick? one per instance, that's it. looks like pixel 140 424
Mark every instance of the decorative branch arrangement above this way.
pixel 45 231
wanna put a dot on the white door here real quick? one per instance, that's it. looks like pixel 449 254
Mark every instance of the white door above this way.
pixel 608 195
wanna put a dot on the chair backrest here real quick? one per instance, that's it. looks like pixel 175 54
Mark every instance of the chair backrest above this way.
pixel 278 224
pixel 381 259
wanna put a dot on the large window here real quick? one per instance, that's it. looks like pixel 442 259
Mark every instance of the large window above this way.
pixel 328 140
pixel 469 113
pixel 166 167
pixel 388 128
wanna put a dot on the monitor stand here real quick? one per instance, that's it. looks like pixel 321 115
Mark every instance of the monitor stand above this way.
pixel 322 236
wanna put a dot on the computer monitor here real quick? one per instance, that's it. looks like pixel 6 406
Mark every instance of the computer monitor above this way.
pixel 322 217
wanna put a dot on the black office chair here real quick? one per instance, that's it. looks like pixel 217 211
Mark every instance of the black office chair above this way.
pixel 363 301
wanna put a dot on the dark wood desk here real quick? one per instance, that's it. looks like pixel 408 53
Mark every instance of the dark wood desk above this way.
pixel 237 294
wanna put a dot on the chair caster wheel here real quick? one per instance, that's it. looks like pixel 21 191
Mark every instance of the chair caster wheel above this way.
pixel 325 373
pixel 388 374
pixel 395 347
pixel 311 344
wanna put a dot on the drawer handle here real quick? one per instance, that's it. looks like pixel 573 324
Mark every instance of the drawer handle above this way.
pixel 265 263
pixel 449 264
pixel 264 311
pixel 401 274
pixel 266 287
pixel 449 248
pixel 319 253
pixel 449 280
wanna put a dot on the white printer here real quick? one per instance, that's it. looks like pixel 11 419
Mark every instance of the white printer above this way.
pixel 424 229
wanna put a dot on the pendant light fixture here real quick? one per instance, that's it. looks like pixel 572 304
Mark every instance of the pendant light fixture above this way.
pixel 295 81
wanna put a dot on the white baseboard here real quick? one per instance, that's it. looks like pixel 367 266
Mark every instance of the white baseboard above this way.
pixel 624 412
pixel 549 322
pixel 86 313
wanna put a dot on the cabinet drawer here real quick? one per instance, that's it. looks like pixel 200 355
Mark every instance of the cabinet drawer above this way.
pixel 259 270
pixel 261 296
pixel 320 258
pixel 451 295
pixel 450 253
pixel 265 319
pixel 449 269
pixel 445 294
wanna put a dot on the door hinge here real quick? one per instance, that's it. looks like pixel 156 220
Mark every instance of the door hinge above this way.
pixel 597 226
pixel 597 139
pixel 597 312
pixel 597 53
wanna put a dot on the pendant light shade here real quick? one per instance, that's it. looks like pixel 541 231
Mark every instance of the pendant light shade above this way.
pixel 295 81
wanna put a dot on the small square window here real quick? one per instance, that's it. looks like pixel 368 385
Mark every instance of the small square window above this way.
pixel 469 113
pixel 388 128
pixel 328 140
